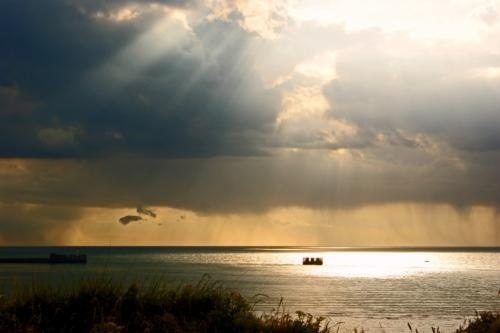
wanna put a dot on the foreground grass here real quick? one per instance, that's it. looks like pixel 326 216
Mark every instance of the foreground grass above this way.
pixel 104 305
pixel 482 322
pixel 488 322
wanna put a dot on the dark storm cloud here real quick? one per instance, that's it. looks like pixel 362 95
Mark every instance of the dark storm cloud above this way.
pixel 77 85
pixel 144 211
pixel 102 87
pixel 129 218
pixel 246 185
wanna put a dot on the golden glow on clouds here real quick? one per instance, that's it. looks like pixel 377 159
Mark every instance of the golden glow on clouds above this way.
pixel 307 101
pixel 100 226
pixel 302 102
pixel 303 109
pixel 407 224
pixel 265 18
pixel 320 67
pixel 132 12
pixel 119 15
pixel 179 15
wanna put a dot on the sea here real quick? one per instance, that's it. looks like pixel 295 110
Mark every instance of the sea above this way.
pixel 375 289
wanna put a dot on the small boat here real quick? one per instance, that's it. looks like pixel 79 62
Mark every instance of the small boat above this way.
pixel 312 261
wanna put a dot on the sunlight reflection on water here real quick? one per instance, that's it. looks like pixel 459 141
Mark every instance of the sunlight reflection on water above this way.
pixel 377 264
pixel 336 264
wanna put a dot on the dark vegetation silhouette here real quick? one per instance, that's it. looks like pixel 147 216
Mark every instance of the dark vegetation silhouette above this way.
pixel 105 305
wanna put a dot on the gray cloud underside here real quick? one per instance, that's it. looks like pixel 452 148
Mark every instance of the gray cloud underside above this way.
pixel 241 185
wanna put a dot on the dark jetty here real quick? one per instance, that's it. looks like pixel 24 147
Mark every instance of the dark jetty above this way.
pixel 52 259
pixel 312 261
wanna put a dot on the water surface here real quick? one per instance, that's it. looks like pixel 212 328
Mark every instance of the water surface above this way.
pixel 379 290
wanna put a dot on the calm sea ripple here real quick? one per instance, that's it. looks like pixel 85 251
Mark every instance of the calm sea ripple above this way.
pixel 380 291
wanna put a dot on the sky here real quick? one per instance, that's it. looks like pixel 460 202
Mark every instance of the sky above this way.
pixel 235 122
